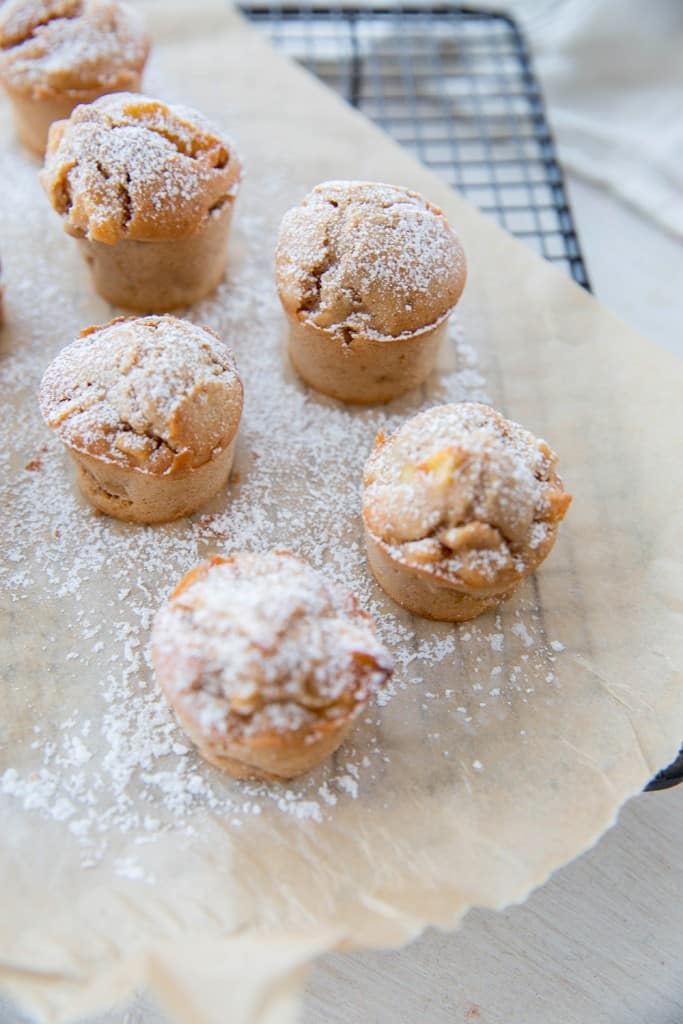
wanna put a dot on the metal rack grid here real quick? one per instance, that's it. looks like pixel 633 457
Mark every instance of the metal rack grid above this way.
pixel 456 87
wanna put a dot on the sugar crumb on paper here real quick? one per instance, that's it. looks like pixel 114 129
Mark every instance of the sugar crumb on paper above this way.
pixel 105 755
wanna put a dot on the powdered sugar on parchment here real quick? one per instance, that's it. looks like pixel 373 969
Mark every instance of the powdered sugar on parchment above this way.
pixel 102 755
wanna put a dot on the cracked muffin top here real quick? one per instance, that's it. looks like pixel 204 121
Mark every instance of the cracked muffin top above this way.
pixel 130 167
pixel 154 393
pixel 262 643
pixel 463 494
pixel 70 47
pixel 363 258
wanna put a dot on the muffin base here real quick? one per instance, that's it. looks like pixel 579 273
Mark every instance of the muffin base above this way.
pixel 427 597
pixel 271 758
pixel 364 370
pixel 34 115
pixel 139 497
pixel 155 277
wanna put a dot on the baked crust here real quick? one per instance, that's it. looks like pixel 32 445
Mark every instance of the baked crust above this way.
pixel 75 49
pixel 459 501
pixel 367 260
pixel 155 394
pixel 149 407
pixel 265 663
pixel 128 167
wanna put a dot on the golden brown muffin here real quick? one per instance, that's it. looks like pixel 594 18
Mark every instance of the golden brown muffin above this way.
pixel 148 190
pixel 149 409
pixel 55 54
pixel 265 663
pixel 459 506
pixel 368 275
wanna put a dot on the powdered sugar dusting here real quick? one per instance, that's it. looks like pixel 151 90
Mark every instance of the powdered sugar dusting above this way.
pixel 262 643
pixel 131 167
pixel 145 393
pixel 77 45
pixel 464 494
pixel 368 259
pixel 101 754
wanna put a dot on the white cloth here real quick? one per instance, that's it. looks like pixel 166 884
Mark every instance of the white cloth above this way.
pixel 612 74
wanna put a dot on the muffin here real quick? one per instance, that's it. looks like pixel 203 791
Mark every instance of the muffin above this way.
pixel 265 663
pixel 55 54
pixel 149 409
pixel 368 275
pixel 148 191
pixel 459 506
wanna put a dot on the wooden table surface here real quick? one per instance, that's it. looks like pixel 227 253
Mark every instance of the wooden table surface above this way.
pixel 601 942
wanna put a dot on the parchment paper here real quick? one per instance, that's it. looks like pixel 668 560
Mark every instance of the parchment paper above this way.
pixel 507 746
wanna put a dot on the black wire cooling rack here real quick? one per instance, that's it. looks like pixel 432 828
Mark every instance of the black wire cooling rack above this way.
pixel 456 87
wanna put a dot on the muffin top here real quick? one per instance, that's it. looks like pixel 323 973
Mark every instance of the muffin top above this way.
pixel 464 494
pixel 154 394
pixel 70 47
pixel 362 258
pixel 261 643
pixel 130 167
